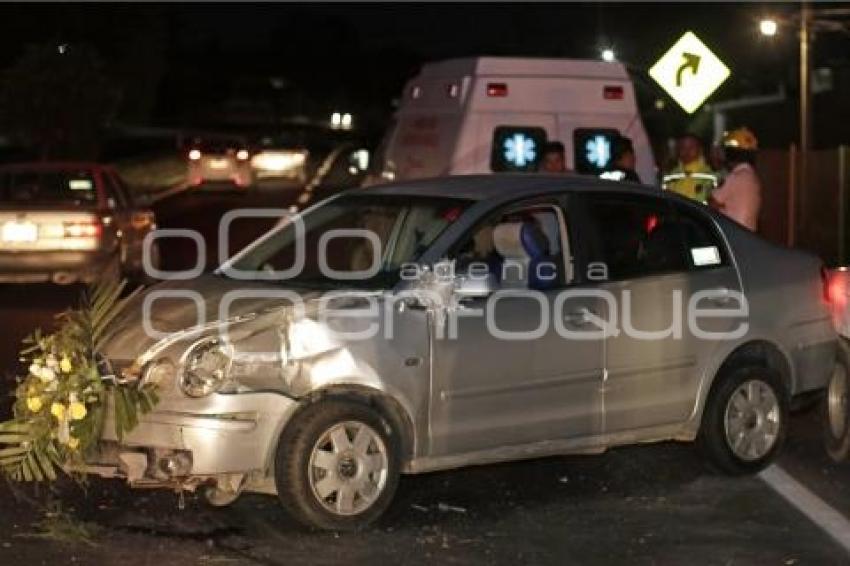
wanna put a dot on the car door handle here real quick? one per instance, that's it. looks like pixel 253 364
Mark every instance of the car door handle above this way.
pixel 580 317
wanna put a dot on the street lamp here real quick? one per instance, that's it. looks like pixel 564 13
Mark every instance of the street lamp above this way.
pixel 768 27
pixel 808 20
pixel 608 55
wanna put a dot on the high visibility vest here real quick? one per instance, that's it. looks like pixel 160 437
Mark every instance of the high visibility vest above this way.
pixel 695 180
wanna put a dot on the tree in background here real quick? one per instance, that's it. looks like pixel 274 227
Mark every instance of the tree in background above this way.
pixel 56 100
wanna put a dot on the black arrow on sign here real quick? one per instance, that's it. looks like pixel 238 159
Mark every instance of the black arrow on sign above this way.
pixel 691 62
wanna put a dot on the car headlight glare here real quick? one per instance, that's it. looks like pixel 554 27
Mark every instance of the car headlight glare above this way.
pixel 205 368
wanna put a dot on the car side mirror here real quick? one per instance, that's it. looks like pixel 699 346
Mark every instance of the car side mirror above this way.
pixel 474 287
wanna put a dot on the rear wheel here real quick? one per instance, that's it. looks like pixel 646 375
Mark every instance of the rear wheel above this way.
pixel 745 420
pixel 835 409
pixel 337 465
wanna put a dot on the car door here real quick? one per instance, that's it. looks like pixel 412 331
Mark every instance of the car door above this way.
pixel 657 257
pixel 507 376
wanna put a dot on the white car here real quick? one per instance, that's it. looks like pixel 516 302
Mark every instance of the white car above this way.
pixel 276 159
pixel 216 161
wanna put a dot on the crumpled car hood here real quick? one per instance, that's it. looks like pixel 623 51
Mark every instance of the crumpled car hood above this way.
pixel 127 337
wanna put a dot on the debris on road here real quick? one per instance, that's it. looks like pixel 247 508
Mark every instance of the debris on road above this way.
pixel 445 507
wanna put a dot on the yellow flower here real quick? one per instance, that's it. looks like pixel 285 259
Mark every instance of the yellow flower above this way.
pixel 58 410
pixel 34 404
pixel 77 411
pixel 73 443
pixel 65 365
pixel 47 375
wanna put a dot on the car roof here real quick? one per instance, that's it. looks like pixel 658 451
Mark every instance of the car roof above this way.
pixel 502 185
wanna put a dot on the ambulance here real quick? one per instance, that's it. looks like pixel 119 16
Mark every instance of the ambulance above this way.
pixel 495 114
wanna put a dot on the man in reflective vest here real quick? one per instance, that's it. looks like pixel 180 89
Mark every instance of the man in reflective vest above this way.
pixel 739 197
pixel 692 176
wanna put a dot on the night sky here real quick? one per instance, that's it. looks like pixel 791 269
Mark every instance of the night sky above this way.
pixel 176 62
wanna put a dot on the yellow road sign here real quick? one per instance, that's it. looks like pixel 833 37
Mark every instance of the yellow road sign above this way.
pixel 689 72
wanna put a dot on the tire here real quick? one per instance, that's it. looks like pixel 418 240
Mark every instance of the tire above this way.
pixel 835 408
pixel 745 420
pixel 357 485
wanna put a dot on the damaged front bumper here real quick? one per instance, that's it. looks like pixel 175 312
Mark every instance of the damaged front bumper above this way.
pixel 227 440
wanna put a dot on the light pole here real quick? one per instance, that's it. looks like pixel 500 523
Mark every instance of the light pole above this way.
pixel 825 19
pixel 805 88
pixel 768 27
pixel 808 21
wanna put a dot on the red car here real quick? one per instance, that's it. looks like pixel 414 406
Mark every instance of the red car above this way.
pixel 70 222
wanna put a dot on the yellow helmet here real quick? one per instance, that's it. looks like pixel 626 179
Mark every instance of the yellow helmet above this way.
pixel 741 138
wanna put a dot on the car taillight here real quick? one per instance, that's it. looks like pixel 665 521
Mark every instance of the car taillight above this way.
pixel 497 89
pixel 195 154
pixel 88 229
pixel 651 223
pixel 835 287
pixel 612 93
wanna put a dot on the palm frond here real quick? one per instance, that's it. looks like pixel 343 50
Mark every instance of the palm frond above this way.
pixel 30 449
pixel 23 455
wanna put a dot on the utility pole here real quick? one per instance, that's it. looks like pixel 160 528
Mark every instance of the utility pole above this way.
pixel 805 90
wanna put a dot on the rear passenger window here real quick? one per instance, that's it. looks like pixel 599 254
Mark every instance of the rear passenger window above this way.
pixel 636 237
pixel 704 246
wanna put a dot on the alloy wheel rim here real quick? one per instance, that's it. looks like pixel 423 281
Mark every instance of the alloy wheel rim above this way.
pixel 752 420
pixel 348 468
pixel 837 402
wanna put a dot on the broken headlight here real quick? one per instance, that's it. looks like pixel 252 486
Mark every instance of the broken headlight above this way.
pixel 159 373
pixel 205 368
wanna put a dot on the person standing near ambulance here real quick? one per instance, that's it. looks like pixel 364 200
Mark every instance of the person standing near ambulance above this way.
pixel 739 197
pixel 623 161
pixel 554 158
pixel 692 176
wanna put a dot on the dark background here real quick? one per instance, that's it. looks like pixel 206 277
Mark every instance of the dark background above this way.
pixel 214 65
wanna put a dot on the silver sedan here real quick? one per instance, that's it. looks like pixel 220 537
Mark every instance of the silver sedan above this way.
pixel 452 322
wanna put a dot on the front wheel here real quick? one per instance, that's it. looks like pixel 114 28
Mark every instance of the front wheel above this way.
pixel 337 465
pixel 745 420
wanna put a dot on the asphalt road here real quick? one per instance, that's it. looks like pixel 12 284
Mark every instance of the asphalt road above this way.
pixel 652 504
